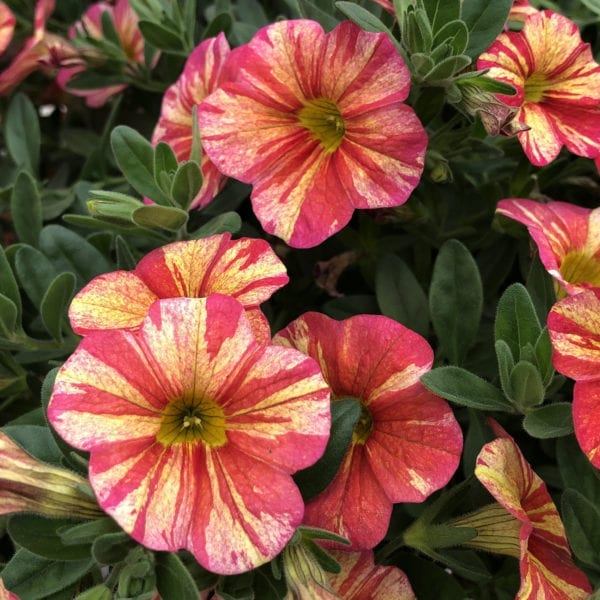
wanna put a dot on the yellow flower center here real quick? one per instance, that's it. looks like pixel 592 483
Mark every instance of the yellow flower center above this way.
pixel 324 120
pixel 535 87
pixel 577 267
pixel 363 427
pixel 187 420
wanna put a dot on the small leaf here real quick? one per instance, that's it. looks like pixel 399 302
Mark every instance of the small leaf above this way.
pixel 442 12
pixel 8 283
pixel 164 162
pixel 173 580
pixel 22 133
pixel 506 364
pixel 135 157
pixel 35 273
pixel 125 259
pixel 448 67
pixel 465 389
pixel 485 21
pixel 550 421
pixel 163 217
pixel 26 209
pixel 98 592
pixel 186 184
pixel 227 222
pixel 526 385
pixel 582 523
pixel 161 37
pixel 111 548
pixel 8 317
pixel 53 308
pixel 576 470
pixel 344 416
pixel 83 533
pixel 309 10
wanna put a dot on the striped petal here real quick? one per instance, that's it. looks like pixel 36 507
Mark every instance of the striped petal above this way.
pixel 359 140
pixel 361 579
pixel 194 428
pixel 567 237
pixel 557 82
pixel 7 26
pixel 202 74
pixel 547 569
pixel 586 418
pixel 6 594
pixel 408 443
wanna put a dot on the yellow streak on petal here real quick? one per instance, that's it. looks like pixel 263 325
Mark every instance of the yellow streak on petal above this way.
pixel 399 381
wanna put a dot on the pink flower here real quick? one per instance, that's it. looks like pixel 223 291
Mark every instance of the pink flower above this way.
pixel 316 122
pixel 567 237
pixel 126 25
pixel 406 444
pixel 5 594
pixel 194 429
pixel 202 74
pixel 7 26
pixel 520 10
pixel 557 83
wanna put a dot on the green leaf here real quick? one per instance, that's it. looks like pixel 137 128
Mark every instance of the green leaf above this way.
pixel 361 16
pixel 309 10
pixel 428 578
pixel 173 580
pixel 8 283
pixel 86 533
pixel 576 470
pixel 222 22
pixel 98 592
pixel 32 577
pixel 441 12
pixel 506 364
pixel 26 209
pixel 163 217
pixel 485 21
pixel 111 548
pixel 454 33
pixel 161 37
pixel 38 534
pixel 540 286
pixel 487 84
pixel 465 389
pixel 8 317
pixel 455 300
pixel 135 157
pixel 399 294
pixel 516 320
pixel 35 273
pixel 227 222
pixel 22 133
pixel 186 184
pixel 70 252
pixel 344 416
pixel 125 259
pixel 543 356
pixel 164 162
pixel 582 523
pixel 36 440
pixel 448 67
pixel 54 305
pixel 526 385
pixel 550 421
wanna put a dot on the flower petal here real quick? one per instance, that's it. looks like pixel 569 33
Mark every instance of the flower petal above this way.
pixel 7 26
pixel 586 418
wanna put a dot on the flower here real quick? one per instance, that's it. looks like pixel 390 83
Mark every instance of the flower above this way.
pixel 316 122
pixel 246 269
pixel 42 50
pixel 406 444
pixel 359 578
pixel 520 10
pixel 567 237
pixel 574 327
pixel 557 83
pixel 202 74
pixel 5 594
pixel 547 569
pixel 7 26
pixel 29 485
pixel 193 430
pixel 125 22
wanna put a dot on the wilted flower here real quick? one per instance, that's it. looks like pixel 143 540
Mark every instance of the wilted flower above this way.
pixel 29 485
pixel 567 237
pixel 194 429
pixel 406 443
pixel 557 83
pixel 574 327
pixel 7 26
pixel 202 74
pixel 538 536
pixel 125 22
pixel 246 269
pixel 316 122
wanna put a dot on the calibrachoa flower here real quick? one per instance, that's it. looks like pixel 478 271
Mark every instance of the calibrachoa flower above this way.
pixel 42 50
pixel 557 83
pixel 358 579
pixel 202 74
pixel 547 569
pixel 520 10
pixel 574 327
pixel 7 26
pixel 29 485
pixel 567 237
pixel 125 21
pixel 246 269
pixel 194 428
pixel 316 122
pixel 406 444
pixel 5 594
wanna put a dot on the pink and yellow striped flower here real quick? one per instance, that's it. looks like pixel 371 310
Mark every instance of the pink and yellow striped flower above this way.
pixel 246 269
pixel 574 327
pixel 194 429
pixel 567 237
pixel 316 122
pixel 406 444
pixel 557 83
pixel 7 26
pixel 5 594
pixel 547 569
pixel 125 21
pixel 202 74
pixel 520 10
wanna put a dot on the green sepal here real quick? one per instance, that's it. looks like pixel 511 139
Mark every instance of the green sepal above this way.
pixel 162 217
